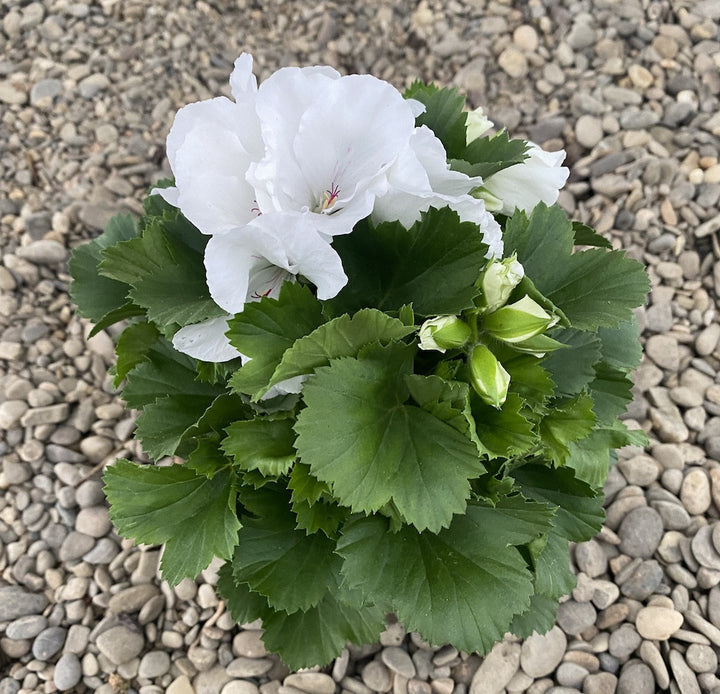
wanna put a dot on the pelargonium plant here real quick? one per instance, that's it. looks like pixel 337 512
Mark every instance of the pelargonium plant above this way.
pixel 375 371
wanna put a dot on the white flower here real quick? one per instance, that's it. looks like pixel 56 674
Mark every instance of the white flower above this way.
pixel 329 141
pixel 538 179
pixel 210 147
pixel 254 261
pixel 421 178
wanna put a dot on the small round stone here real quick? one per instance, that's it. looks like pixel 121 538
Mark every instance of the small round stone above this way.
pixel 640 532
pixel 636 678
pixel 695 491
pixel 311 682
pixel 657 623
pixel 249 644
pixel 67 672
pixel 120 644
pixel 376 676
pixel 154 664
pixel 542 653
pixel 48 642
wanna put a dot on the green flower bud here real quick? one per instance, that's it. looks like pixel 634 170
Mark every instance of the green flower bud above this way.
pixel 488 377
pixel 477 124
pixel 519 321
pixel 498 281
pixel 492 202
pixel 443 333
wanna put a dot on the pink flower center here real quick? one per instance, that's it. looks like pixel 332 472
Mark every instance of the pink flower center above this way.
pixel 330 198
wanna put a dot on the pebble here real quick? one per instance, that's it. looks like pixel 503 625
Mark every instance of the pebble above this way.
pixel 541 653
pixel 120 644
pixel 684 677
pixel 636 678
pixel 43 252
pixel 26 627
pixel 640 532
pixel 48 642
pixel 588 131
pixel 376 676
pixel 497 669
pixel 67 673
pixel 248 643
pixel 657 623
pixel 154 664
pixel 695 491
pixel 132 599
pixel 93 521
pixel 16 602
pixel 398 660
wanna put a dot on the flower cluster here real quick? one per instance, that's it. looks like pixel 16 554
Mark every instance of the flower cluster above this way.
pixel 275 174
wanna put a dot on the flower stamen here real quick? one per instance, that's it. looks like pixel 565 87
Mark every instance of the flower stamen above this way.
pixel 330 197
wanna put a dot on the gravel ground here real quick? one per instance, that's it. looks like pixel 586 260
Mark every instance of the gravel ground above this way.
pixel 87 94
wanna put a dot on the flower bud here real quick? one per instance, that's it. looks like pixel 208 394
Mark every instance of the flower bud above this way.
pixel 492 203
pixel 477 124
pixel 443 333
pixel 519 321
pixel 488 377
pixel 498 281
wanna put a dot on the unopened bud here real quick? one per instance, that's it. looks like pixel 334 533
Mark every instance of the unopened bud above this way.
pixel 477 124
pixel 488 377
pixel 519 321
pixel 498 281
pixel 443 333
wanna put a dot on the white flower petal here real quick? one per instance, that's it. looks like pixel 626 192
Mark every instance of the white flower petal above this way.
pixel 169 195
pixel 206 341
pixel 538 179
pixel 243 83
pixel 210 146
pixel 253 261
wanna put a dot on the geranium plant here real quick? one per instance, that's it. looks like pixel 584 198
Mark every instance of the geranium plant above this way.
pixel 374 368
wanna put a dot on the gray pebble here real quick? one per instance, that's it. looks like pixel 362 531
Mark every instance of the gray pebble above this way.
pixel 624 641
pixel 636 678
pixel 684 677
pixel 574 617
pixel 120 644
pixel 542 653
pixel 43 252
pixel 640 532
pixel 17 602
pixel 644 581
pixel 68 672
pixel 48 642
pixel 26 627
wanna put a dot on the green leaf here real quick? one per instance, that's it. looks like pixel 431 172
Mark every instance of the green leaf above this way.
pixel 587 236
pixel 317 636
pixel 166 275
pixel 444 115
pixel 127 310
pixel 433 265
pixel 263 443
pixel 164 372
pixel 599 288
pixel 243 604
pixel 611 393
pixel 553 575
pixel 162 425
pixel 193 515
pixel 357 434
pixel 206 459
pixel 567 423
pixel 594 288
pixel 304 486
pixel 265 329
pixel 542 242
pixel 505 432
pixel 493 153
pixel 132 348
pixel 340 337
pixel 621 348
pixel 539 618
pixel 319 516
pixel 461 586
pixel 580 513
pixel 572 369
pixel 94 295
pixel 529 379
pixel 449 401
pixel 292 569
